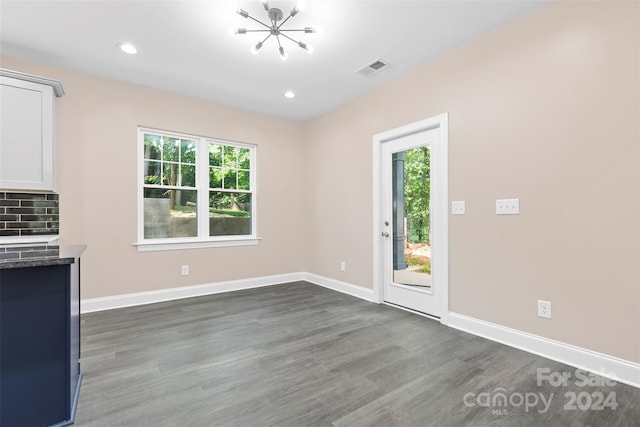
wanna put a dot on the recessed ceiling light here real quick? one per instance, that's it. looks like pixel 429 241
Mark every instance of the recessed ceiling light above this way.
pixel 289 94
pixel 128 48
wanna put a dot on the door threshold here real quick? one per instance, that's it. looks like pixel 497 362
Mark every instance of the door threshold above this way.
pixel 419 313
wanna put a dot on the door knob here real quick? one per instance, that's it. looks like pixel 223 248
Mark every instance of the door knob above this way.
pixel 385 234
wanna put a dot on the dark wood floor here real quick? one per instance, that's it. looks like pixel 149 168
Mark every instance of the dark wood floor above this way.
pixel 300 355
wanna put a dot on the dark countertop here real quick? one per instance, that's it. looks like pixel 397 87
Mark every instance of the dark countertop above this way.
pixel 38 255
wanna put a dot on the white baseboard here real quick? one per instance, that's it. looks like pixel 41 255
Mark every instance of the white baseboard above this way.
pixel 607 366
pixel 337 285
pixel 150 297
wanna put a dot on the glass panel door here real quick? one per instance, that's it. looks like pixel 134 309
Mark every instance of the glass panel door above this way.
pixel 411 186
pixel 407 173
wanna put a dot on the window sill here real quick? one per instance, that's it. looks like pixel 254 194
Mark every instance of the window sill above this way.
pixel 166 245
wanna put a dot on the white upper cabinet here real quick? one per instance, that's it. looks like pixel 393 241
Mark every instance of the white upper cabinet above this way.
pixel 27 131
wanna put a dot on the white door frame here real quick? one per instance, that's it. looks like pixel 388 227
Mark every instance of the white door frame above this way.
pixel 440 215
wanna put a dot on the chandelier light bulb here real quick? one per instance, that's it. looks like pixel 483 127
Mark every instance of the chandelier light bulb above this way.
pixel 299 7
pixel 283 54
pixel 255 48
pixel 306 47
pixel 265 4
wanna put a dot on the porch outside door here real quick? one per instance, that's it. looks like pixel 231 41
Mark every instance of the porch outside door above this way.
pixel 409 244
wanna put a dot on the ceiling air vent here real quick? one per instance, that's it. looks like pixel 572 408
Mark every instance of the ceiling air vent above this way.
pixel 372 68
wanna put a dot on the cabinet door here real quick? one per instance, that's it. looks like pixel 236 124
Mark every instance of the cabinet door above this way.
pixel 26 135
pixel 34 346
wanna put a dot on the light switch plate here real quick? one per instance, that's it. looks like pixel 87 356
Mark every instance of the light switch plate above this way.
pixel 507 206
pixel 458 207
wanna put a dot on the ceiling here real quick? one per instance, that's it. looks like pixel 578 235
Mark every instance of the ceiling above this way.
pixel 186 47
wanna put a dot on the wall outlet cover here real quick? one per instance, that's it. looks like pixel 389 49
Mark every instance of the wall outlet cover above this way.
pixel 458 207
pixel 544 309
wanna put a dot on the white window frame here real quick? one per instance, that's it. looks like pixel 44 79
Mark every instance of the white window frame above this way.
pixel 203 240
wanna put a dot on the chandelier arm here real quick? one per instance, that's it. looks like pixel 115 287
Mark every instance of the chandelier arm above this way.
pixel 282 23
pixel 259 22
pixel 282 31
pixel 278 39
pixel 284 35
pixel 257 31
pixel 266 38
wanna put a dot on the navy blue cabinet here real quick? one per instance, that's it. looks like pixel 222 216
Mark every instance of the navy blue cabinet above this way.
pixel 39 344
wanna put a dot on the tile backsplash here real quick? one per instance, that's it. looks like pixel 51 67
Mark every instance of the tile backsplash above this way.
pixel 9 254
pixel 28 214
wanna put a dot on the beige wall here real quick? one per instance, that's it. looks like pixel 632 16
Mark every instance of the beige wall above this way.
pixel 545 109
pixel 97 123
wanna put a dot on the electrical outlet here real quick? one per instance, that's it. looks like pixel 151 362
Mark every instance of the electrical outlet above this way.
pixel 544 309
pixel 343 266
pixel 185 270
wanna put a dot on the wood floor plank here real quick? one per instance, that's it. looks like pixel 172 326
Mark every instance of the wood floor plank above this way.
pixel 299 355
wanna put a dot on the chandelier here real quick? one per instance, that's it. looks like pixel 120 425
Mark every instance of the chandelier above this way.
pixel 274 27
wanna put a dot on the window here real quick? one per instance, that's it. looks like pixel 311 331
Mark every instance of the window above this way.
pixel 194 191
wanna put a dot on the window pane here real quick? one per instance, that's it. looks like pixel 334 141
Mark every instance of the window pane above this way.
pixel 152 172
pixel 188 151
pixel 215 155
pixel 215 177
pixel 243 180
pixel 229 214
pixel 188 176
pixel 151 147
pixel 170 173
pixel 170 213
pixel 244 158
pixel 230 157
pixel 170 149
pixel 230 176
pixel 219 200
